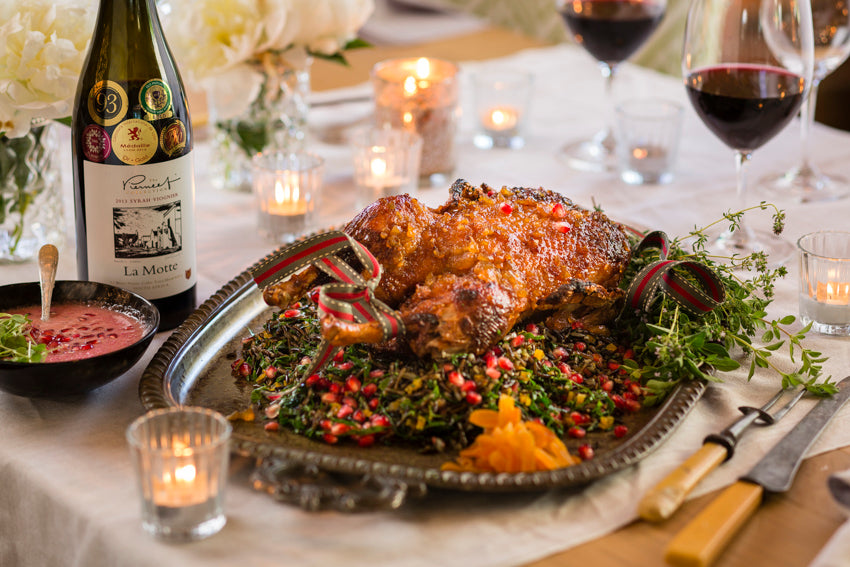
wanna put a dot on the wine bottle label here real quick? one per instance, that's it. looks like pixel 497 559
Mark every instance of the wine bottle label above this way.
pixel 172 139
pixel 96 143
pixel 134 141
pixel 155 97
pixel 107 103
pixel 140 226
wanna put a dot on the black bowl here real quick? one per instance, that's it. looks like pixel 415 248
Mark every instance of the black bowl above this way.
pixel 74 377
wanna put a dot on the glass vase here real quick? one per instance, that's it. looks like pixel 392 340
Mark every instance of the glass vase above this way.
pixel 275 119
pixel 31 208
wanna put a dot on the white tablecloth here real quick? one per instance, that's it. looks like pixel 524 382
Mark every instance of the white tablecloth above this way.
pixel 67 493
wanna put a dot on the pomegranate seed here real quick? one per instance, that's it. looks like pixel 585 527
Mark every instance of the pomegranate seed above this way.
pixel 565 368
pixel 379 420
pixel 505 363
pixel 473 398
pixel 493 373
pixel 506 208
pixel 585 452
pixel 558 211
pixel 635 388
pixel 273 397
pixel 377 373
pixel 629 354
pixel 613 365
pixel 335 388
pixel 580 346
pixel 345 366
pixel 338 429
pixel 313 380
pixel 455 378
pixel 344 411
pixel 517 341
pixel 358 416
pixel 490 360
pixel 338 356
pixel 352 384
pixel 579 418
pixel 563 227
pixel 329 439
pixel 272 426
pixel 607 385
pixel 236 364
pixel 369 389
pixel 244 369
pixel 560 352
pixel 366 440
pixel 620 431
pixel 576 432
pixel 577 378
pixel 330 398
pixel 290 313
pixel 373 403
pixel 271 372
pixel 468 386
pixel 314 295
pixel 349 401
pixel 532 328
pixel 326 424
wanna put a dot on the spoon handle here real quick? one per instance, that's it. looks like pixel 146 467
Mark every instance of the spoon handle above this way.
pixel 48 259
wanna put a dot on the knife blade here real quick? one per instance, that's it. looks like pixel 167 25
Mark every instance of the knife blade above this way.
pixel 664 498
pixel 701 541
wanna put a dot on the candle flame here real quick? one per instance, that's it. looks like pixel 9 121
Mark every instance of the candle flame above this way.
pixel 285 192
pixel 836 293
pixel 185 473
pixel 498 117
pixel 640 153
pixel 379 167
pixel 407 118
pixel 410 86
pixel 423 67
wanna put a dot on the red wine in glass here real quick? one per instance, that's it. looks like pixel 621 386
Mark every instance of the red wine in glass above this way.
pixel 611 31
pixel 745 105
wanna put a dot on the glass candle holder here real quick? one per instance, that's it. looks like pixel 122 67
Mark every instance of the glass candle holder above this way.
pixel 647 132
pixel 286 187
pixel 386 162
pixel 181 458
pixel 825 281
pixel 501 101
pixel 421 95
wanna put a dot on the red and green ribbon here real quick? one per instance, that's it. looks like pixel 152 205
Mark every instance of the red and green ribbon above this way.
pixel 697 295
pixel 350 298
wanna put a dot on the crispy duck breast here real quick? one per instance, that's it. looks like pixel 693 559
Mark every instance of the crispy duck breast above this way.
pixel 464 274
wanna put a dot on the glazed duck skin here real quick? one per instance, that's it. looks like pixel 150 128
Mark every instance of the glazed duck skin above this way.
pixel 462 275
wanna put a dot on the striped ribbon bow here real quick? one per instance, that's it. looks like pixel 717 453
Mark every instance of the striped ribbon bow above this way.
pixel 351 298
pixel 665 276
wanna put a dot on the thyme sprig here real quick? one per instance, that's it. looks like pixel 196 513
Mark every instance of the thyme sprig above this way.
pixel 672 346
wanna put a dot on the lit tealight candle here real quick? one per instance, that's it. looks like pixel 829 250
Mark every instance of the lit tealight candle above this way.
pixel 182 487
pixel 833 293
pixel 287 200
pixel 500 119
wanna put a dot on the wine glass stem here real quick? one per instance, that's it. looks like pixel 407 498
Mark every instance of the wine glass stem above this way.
pixel 743 237
pixel 608 72
pixel 807 119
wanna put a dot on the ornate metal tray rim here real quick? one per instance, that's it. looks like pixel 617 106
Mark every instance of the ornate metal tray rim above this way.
pixel 155 392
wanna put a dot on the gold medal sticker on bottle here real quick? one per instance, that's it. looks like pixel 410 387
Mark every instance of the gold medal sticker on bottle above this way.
pixel 107 103
pixel 134 141
pixel 172 139
pixel 155 97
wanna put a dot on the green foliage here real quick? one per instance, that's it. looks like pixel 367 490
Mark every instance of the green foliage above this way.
pixel 671 346
pixel 15 343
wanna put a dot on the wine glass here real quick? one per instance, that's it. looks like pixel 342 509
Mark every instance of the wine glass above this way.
pixel 747 67
pixel 832 46
pixel 611 31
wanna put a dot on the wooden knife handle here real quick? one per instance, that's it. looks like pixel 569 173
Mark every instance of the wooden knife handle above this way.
pixel 701 541
pixel 666 497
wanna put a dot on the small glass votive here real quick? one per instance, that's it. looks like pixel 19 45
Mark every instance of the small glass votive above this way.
pixel 421 95
pixel 181 458
pixel 286 187
pixel 825 281
pixel 386 162
pixel 647 134
pixel 501 101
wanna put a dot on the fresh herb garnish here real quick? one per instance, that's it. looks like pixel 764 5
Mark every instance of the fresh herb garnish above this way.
pixel 15 342
pixel 671 346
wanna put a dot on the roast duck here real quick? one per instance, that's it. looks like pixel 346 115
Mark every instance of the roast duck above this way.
pixel 462 275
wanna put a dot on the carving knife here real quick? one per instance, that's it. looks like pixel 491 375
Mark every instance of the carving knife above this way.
pixel 701 541
pixel 666 497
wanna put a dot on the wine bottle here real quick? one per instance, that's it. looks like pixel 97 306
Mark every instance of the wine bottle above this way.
pixel 134 184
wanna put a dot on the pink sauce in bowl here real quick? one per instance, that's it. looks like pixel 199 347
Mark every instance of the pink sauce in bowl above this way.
pixel 76 331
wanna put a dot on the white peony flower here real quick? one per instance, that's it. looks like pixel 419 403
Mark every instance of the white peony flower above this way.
pixel 42 47
pixel 213 37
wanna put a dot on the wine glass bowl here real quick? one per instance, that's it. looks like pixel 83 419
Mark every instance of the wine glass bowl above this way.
pixel 831 20
pixel 747 67
pixel 611 31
